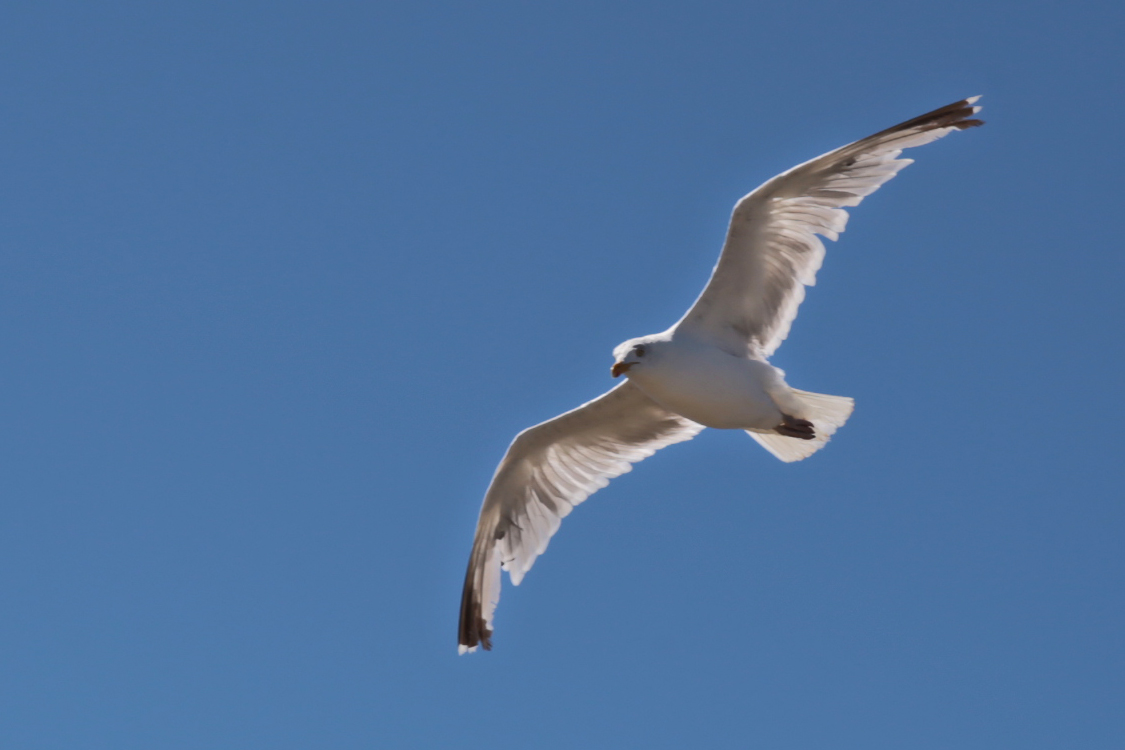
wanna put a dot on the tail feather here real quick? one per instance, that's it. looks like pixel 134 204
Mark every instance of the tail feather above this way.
pixel 827 413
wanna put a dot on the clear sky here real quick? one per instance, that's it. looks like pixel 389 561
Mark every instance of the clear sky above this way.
pixel 280 281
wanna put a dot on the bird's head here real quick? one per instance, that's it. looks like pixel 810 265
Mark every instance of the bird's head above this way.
pixel 632 353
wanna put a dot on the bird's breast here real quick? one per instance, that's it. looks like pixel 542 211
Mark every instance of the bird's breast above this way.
pixel 710 387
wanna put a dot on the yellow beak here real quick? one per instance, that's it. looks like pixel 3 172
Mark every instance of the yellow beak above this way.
pixel 620 368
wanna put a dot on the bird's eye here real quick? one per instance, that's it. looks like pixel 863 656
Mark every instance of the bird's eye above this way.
pixel 640 350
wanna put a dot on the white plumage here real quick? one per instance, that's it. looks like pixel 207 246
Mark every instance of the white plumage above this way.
pixel 710 369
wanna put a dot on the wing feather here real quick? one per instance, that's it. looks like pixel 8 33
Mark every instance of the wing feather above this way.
pixel 772 251
pixel 548 470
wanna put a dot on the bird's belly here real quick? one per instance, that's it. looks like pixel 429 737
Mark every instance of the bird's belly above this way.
pixel 727 397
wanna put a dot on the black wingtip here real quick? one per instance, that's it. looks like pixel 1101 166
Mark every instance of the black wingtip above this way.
pixel 472 631
pixel 958 115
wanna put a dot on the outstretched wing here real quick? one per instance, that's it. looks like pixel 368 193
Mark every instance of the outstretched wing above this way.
pixel 550 468
pixel 772 252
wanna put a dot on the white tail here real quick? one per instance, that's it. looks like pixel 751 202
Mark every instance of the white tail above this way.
pixel 827 413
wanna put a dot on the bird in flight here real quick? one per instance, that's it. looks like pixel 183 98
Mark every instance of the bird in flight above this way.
pixel 711 369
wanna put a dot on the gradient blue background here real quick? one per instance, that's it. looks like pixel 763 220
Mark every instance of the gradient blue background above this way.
pixel 280 281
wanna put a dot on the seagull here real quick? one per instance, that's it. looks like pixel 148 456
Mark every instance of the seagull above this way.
pixel 711 369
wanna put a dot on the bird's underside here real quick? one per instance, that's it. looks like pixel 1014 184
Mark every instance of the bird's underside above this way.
pixel 710 369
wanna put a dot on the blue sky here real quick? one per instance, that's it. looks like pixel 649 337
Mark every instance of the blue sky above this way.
pixel 280 281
